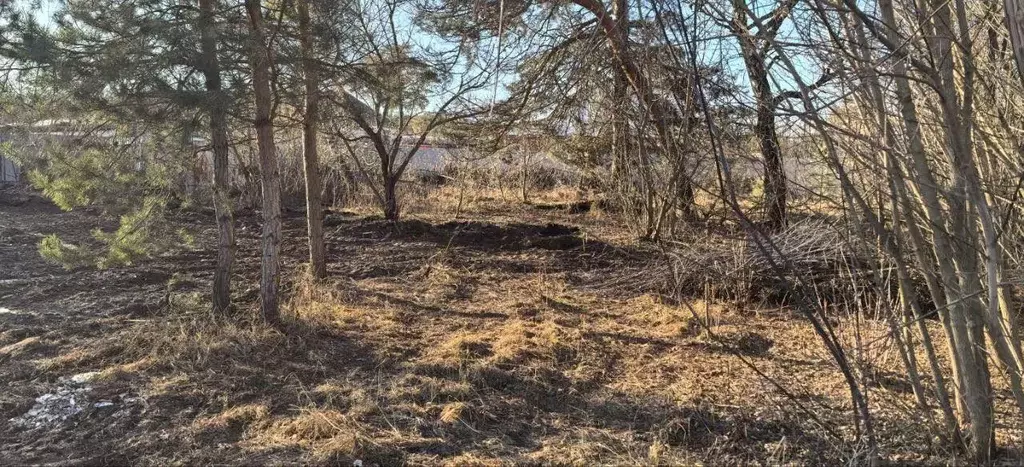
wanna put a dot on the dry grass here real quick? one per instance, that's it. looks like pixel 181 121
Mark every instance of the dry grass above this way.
pixel 586 379
pixel 428 347
pixel 234 416
pixel 20 347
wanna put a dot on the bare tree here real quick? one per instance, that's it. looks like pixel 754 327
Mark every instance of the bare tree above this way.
pixel 757 34
pixel 395 82
pixel 946 198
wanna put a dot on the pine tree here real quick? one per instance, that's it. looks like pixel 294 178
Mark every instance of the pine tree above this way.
pixel 153 63
pixel 261 58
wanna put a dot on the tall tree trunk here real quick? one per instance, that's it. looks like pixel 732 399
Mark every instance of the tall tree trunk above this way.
pixel 774 172
pixel 768 138
pixel 222 202
pixel 310 159
pixel 270 173
pixel 957 116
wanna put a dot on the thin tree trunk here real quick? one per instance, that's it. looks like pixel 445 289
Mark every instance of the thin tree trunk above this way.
pixel 1015 24
pixel 1006 297
pixel 310 158
pixel 526 179
pixel 998 329
pixel 943 286
pixel 222 201
pixel 620 125
pixel 908 295
pixel 270 173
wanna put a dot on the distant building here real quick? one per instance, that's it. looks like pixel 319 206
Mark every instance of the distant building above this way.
pixel 33 135
pixel 9 172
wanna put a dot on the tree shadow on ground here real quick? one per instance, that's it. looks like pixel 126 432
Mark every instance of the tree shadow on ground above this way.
pixel 220 392
pixel 478 235
pixel 525 404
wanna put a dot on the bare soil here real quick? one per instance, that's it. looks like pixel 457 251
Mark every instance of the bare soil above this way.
pixel 485 341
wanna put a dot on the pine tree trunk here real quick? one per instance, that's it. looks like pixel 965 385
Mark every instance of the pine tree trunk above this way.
pixel 270 173
pixel 310 159
pixel 222 201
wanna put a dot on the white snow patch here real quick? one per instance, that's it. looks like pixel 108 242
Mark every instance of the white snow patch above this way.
pixel 65 402
pixel 53 408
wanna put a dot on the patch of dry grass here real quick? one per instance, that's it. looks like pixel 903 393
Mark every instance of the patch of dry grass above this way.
pixel 486 356
pixel 584 380
pixel 233 417
pixel 21 347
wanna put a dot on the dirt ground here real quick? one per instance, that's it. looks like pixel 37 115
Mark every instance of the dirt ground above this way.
pixel 508 337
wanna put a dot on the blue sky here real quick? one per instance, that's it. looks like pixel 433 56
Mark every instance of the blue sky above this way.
pixel 716 50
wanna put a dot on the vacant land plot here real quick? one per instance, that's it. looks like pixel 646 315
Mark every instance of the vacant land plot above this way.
pixel 470 342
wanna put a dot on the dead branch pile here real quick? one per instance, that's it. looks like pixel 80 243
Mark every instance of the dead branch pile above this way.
pixel 811 257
